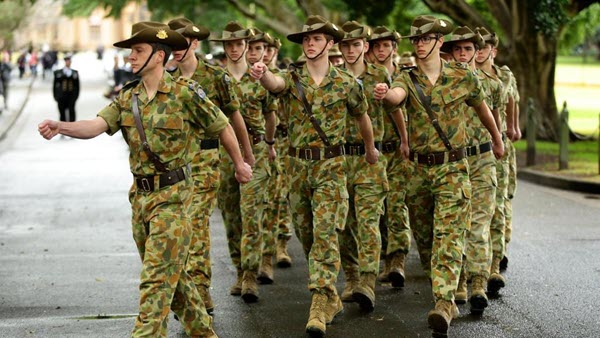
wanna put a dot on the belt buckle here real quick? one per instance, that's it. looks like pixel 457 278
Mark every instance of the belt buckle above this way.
pixel 430 159
pixel 145 184
pixel 307 154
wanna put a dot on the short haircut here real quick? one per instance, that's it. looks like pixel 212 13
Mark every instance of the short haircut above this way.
pixel 167 49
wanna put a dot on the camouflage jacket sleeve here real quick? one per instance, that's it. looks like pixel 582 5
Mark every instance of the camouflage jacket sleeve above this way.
pixel 202 111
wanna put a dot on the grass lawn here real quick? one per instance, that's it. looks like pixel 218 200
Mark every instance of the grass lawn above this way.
pixel 579 85
pixel 583 159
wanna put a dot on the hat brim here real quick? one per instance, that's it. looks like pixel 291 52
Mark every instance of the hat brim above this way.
pixel 338 35
pixel 174 40
pixel 447 46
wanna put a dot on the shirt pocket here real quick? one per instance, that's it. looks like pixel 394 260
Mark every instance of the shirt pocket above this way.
pixel 168 134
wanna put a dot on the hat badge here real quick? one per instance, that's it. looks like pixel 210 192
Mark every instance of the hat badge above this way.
pixel 195 29
pixel 162 34
pixel 442 23
pixel 334 26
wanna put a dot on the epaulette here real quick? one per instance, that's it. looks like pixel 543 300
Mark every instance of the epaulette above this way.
pixel 193 86
pixel 130 85
pixel 505 67
pixel 460 65
pixel 407 68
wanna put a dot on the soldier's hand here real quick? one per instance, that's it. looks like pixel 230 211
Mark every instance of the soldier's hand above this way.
pixel 48 129
pixel 258 70
pixel 518 134
pixel 510 133
pixel 272 153
pixel 372 156
pixel 498 148
pixel 405 150
pixel 380 91
pixel 243 173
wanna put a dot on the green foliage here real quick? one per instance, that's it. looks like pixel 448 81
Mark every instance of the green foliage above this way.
pixel 548 16
pixel 373 13
pixel 11 15
pixel 582 29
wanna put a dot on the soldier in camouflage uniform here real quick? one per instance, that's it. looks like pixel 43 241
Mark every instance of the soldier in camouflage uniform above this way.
pixel 360 242
pixel 243 206
pixel 205 165
pixel 316 172
pixel 395 226
pixel 161 196
pixel 439 190
pixel 277 217
pixel 484 61
pixel 463 45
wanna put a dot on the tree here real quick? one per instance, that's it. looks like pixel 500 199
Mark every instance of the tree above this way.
pixel 529 32
pixel 12 13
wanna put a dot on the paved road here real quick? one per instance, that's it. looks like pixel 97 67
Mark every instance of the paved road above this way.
pixel 69 266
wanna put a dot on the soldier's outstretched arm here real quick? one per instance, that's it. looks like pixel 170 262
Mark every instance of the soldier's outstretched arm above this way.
pixel 270 81
pixel 243 171
pixel 84 129
pixel 239 127
pixel 393 96
pixel 485 115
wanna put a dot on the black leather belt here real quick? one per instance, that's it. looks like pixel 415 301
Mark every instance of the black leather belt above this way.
pixel 209 144
pixel 439 157
pixel 390 146
pixel 282 131
pixel 480 149
pixel 315 153
pixel 146 183
pixel 358 149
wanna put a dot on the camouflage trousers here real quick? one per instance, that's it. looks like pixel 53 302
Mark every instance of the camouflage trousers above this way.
pixel 319 206
pixel 206 177
pixel 162 232
pixel 482 173
pixel 498 225
pixel 276 220
pixel 439 204
pixel 512 188
pixel 360 241
pixel 396 221
pixel 242 207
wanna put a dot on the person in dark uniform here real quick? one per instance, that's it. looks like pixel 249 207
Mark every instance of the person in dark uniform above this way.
pixel 66 90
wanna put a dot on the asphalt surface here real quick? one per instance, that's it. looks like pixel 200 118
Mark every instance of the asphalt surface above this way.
pixel 69 266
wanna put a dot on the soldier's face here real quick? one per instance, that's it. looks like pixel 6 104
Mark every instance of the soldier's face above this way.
pixel 140 52
pixel 353 49
pixel 316 43
pixel 424 44
pixel 463 51
pixel 382 49
pixel 235 49
pixel 192 45
pixel 256 51
pixel 269 53
pixel 484 53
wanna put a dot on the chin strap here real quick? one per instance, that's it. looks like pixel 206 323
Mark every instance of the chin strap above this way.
pixel 358 58
pixel 241 56
pixel 148 60
pixel 317 54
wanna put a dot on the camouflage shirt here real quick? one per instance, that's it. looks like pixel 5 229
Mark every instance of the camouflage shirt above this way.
pixel 390 133
pixel 504 75
pixel 168 119
pixel 372 75
pixel 476 131
pixel 255 101
pixel 455 86
pixel 338 95
pixel 217 85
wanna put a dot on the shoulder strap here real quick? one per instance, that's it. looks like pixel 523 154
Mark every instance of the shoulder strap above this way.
pixel 426 101
pixel 140 128
pixel 308 110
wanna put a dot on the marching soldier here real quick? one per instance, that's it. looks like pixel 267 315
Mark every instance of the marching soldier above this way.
pixel 156 116
pixel 395 225
pixel 463 45
pixel 66 90
pixel 439 190
pixel 243 206
pixel 205 165
pixel 484 61
pixel 319 97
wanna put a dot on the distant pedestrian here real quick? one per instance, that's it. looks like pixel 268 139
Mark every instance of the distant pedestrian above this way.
pixel 5 70
pixel 66 90
pixel 21 63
